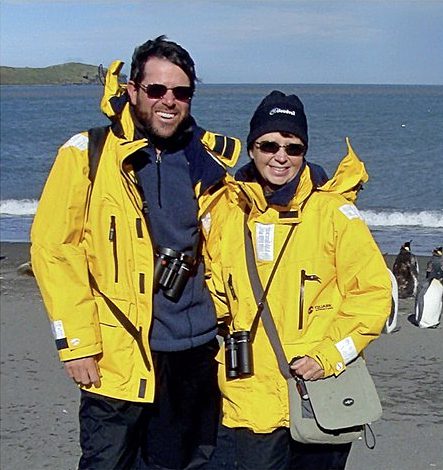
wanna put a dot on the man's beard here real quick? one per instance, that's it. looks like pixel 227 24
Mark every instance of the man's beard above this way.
pixel 146 129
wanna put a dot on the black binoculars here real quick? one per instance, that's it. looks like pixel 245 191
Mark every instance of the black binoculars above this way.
pixel 171 272
pixel 238 355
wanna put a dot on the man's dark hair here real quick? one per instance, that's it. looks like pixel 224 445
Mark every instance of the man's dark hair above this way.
pixel 163 49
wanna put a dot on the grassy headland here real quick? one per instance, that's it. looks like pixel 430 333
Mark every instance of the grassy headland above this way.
pixel 68 74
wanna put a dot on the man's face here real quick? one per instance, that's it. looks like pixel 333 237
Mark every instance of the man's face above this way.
pixel 277 168
pixel 160 116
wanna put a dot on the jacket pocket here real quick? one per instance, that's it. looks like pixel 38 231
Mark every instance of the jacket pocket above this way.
pixel 301 303
pixel 117 341
pixel 231 291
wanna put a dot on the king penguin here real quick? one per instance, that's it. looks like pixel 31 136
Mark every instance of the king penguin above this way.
pixel 405 270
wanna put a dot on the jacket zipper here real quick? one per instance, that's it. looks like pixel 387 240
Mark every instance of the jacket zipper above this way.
pixel 303 278
pixel 113 240
pixel 158 161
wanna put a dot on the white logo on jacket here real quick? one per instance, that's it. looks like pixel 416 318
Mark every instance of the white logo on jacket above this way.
pixel 57 329
pixel 347 349
pixel 78 141
pixel 206 222
pixel 350 211
pixel 264 241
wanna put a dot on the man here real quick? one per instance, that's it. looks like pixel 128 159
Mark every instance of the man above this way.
pixel 117 257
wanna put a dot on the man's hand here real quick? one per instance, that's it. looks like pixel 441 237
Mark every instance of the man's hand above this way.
pixel 84 371
pixel 308 368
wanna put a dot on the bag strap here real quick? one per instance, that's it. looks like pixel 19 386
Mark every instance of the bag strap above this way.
pixel 263 310
pixel 96 141
pixel 125 322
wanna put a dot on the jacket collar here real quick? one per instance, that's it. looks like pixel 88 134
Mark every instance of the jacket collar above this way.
pixel 203 167
pixel 251 193
pixel 280 197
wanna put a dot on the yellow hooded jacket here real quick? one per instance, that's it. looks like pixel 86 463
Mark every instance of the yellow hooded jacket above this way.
pixel 92 254
pixel 330 296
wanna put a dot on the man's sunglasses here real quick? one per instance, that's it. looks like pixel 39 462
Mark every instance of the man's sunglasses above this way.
pixel 156 91
pixel 292 150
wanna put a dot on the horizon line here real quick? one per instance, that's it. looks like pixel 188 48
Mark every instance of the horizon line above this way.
pixel 248 83
pixel 237 83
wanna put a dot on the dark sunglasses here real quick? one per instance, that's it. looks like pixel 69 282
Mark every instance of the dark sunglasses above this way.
pixel 293 150
pixel 156 91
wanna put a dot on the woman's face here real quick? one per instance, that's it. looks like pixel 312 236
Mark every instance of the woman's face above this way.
pixel 277 157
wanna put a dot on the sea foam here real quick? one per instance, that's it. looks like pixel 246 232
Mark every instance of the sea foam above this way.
pixel 18 207
pixel 386 218
pixel 374 218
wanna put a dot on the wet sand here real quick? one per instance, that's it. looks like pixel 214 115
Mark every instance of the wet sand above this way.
pixel 39 427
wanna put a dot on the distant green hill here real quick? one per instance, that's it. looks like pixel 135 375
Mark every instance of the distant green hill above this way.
pixel 69 74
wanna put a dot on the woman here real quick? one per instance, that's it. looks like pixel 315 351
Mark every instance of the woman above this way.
pixel 329 296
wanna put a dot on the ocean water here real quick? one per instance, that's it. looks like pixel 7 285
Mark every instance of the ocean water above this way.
pixel 396 131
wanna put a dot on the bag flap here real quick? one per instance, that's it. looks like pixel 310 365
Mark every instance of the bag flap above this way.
pixel 347 400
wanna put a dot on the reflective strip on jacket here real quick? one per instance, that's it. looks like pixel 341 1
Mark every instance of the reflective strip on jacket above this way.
pixel 330 296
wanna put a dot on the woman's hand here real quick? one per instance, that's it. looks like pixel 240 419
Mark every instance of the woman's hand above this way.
pixel 307 368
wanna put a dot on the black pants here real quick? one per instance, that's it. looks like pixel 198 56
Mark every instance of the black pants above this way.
pixel 177 431
pixel 278 451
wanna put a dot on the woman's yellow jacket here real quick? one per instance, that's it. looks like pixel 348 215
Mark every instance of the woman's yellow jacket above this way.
pixel 330 296
pixel 93 258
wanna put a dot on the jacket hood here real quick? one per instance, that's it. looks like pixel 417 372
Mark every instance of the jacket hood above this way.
pixel 348 177
pixel 115 103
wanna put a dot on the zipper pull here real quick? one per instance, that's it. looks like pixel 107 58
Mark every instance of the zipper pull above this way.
pixel 145 209
pixel 312 277
pixel 112 229
pixel 231 287
pixel 158 158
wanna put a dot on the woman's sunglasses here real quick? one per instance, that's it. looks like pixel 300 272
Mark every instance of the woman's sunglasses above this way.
pixel 292 150
pixel 156 91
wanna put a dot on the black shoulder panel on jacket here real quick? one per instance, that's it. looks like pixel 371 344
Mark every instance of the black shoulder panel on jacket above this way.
pixel 96 141
pixel 225 149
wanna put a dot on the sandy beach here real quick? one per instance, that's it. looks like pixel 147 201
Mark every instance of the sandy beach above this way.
pixel 39 428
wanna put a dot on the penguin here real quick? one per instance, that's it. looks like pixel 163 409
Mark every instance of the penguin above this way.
pixel 428 303
pixel 391 322
pixel 434 267
pixel 405 270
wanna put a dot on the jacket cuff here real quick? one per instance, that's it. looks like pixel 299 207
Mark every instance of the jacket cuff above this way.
pixel 330 359
pixel 68 354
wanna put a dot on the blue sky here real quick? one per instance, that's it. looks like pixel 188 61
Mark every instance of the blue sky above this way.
pixel 239 41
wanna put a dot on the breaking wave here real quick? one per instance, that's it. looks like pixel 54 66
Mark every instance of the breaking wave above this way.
pixel 393 218
pixel 20 207
pixel 374 218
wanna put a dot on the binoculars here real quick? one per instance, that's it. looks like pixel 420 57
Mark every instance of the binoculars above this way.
pixel 171 272
pixel 238 355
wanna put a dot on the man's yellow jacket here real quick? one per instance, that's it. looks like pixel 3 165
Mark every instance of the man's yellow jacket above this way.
pixel 92 254
pixel 330 296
